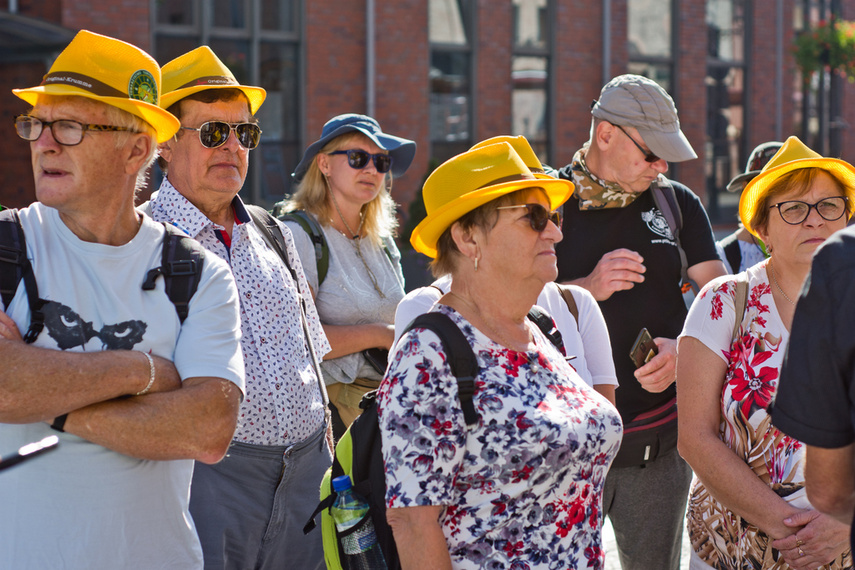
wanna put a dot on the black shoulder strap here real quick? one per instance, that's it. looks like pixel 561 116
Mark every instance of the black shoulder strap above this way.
pixel 15 266
pixel 181 263
pixel 316 234
pixel 666 200
pixel 544 322
pixel 570 301
pixel 461 359
pixel 730 245
pixel 272 234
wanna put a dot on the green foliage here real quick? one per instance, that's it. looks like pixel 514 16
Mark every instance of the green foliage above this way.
pixel 828 45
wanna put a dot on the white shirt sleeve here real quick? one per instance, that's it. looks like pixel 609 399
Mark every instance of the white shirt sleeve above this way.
pixel 417 302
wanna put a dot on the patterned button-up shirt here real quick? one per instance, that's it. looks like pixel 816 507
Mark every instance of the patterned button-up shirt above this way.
pixel 283 403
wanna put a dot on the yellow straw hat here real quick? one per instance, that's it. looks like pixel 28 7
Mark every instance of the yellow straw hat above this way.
pixel 794 155
pixel 523 148
pixel 471 179
pixel 110 71
pixel 199 70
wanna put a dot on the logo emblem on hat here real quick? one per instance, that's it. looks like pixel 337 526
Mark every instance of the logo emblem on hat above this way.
pixel 143 87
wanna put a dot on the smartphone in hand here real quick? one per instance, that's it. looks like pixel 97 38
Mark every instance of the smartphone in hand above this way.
pixel 643 349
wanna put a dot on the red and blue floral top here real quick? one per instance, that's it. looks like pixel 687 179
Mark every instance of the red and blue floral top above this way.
pixel 522 489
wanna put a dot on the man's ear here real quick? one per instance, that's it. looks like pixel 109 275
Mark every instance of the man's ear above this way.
pixel 604 134
pixel 137 152
pixel 165 149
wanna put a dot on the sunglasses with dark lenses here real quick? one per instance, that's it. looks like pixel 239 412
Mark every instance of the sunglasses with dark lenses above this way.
pixel 648 156
pixel 65 131
pixel 795 212
pixel 358 159
pixel 538 216
pixel 214 134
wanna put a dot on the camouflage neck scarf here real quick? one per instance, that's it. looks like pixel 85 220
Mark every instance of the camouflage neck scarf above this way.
pixel 595 193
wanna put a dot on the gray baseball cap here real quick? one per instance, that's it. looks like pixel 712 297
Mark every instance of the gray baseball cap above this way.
pixel 636 101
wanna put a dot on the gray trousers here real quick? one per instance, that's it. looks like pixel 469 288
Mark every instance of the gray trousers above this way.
pixel 647 508
pixel 250 508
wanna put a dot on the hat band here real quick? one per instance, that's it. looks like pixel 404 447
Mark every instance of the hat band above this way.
pixel 210 80
pixel 512 178
pixel 84 82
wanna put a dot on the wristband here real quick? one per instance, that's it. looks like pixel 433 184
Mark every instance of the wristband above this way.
pixel 145 390
pixel 59 423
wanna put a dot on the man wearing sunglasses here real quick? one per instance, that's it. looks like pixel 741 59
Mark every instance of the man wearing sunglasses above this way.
pixel 133 391
pixel 619 244
pixel 250 508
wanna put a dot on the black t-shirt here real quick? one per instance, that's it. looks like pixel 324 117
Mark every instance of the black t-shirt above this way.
pixel 657 303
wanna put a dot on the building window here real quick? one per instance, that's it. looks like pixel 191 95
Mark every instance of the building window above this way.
pixel 530 74
pixel 259 41
pixel 726 80
pixel 651 40
pixel 450 33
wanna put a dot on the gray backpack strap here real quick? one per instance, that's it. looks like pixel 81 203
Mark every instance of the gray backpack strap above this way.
pixel 666 200
pixel 740 302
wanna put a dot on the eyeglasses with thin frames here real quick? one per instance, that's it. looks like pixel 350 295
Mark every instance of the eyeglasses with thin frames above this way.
pixel 214 134
pixel 537 215
pixel 648 156
pixel 358 159
pixel 795 212
pixel 65 131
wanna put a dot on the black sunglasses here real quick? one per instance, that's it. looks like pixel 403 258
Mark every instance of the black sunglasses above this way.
pixel 648 156
pixel 538 216
pixel 358 159
pixel 795 212
pixel 214 134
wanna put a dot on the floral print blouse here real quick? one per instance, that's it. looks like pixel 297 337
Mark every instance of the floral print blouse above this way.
pixel 523 488
pixel 720 537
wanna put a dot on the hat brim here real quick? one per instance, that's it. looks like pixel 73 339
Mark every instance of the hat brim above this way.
pixel 401 150
pixel 756 189
pixel 163 122
pixel 256 95
pixel 427 233
pixel 672 147
pixel 741 180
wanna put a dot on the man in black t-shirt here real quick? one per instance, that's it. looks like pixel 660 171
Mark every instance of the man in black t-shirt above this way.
pixel 618 245
pixel 815 402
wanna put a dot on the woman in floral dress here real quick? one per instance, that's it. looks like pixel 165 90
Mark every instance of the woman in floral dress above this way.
pixel 748 507
pixel 522 489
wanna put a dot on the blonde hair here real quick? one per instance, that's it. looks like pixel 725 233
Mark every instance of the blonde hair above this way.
pixel 312 195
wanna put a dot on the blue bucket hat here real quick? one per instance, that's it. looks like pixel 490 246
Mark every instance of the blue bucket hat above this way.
pixel 401 150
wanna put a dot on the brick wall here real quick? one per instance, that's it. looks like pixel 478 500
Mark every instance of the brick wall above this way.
pixel 690 90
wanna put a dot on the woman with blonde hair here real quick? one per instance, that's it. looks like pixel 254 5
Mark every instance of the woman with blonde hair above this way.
pixel 343 220
pixel 748 507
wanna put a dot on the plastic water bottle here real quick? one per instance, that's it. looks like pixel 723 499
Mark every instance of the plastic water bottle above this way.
pixel 359 548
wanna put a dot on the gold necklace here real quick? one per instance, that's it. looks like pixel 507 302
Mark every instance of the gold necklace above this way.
pixel 355 240
pixel 775 279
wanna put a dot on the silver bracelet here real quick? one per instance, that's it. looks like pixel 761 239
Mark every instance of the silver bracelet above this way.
pixel 151 375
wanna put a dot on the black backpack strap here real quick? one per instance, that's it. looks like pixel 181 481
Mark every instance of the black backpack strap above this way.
pixel 272 234
pixel 15 266
pixel 461 358
pixel 313 229
pixel 181 263
pixel 666 200
pixel 545 323
pixel 730 245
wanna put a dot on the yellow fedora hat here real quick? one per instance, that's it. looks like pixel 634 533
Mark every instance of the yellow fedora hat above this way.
pixel 793 155
pixel 523 148
pixel 471 179
pixel 199 70
pixel 111 71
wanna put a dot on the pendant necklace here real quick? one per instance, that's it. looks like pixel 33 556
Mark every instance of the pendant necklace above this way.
pixel 356 240
pixel 775 279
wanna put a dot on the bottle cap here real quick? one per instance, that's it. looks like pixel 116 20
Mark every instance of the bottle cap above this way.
pixel 341 483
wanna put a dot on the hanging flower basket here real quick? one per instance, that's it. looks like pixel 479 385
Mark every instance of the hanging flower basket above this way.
pixel 828 45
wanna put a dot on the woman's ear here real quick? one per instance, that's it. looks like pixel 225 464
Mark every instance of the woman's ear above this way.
pixel 323 162
pixel 467 240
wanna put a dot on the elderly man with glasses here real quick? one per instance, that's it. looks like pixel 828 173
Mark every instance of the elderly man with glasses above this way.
pixel 630 237
pixel 250 508
pixel 134 381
